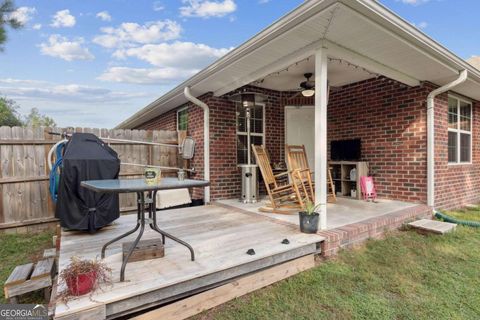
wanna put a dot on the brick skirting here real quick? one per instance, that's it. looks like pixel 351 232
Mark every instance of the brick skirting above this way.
pixel 356 233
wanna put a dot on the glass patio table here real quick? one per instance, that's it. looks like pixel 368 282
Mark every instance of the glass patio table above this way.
pixel 146 194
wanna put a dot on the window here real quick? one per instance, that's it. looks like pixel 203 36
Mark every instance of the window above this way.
pixel 182 119
pixel 257 134
pixel 459 131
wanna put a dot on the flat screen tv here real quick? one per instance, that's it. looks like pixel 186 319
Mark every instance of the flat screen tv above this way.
pixel 346 150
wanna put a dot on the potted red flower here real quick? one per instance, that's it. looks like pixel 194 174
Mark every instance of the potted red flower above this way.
pixel 84 276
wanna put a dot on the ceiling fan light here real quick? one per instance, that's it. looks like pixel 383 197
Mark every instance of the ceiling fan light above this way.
pixel 308 92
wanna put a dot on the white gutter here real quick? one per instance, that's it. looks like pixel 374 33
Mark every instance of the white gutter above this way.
pixel 206 138
pixel 431 134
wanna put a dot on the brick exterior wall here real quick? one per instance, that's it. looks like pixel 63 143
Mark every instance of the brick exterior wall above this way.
pixel 389 118
pixel 167 121
pixel 455 185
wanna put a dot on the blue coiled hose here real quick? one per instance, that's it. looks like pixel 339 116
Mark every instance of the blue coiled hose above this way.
pixel 55 172
pixel 447 218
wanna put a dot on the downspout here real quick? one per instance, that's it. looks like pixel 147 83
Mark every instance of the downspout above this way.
pixel 431 134
pixel 206 138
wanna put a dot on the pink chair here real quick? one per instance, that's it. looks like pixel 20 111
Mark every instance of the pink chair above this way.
pixel 368 188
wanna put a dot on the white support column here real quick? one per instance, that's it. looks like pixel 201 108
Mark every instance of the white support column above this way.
pixel 321 98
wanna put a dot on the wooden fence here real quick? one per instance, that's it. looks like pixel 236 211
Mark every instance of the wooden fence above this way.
pixel 24 175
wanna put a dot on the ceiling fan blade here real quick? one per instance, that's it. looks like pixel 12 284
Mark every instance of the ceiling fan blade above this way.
pixel 298 93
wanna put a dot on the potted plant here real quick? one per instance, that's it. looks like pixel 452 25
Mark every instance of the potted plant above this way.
pixel 309 218
pixel 83 276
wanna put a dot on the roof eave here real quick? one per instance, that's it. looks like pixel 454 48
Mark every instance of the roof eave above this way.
pixel 371 9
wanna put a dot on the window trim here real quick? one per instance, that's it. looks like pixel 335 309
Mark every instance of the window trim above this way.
pixel 178 112
pixel 253 134
pixel 459 132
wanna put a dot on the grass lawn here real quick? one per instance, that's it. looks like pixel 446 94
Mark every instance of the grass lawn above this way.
pixel 16 249
pixel 471 213
pixel 405 276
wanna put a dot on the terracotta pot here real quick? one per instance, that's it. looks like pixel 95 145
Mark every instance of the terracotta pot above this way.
pixel 82 284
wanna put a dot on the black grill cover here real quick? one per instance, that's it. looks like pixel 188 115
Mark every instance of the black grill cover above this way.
pixel 86 157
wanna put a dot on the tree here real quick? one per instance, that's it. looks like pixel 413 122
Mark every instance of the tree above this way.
pixel 8 113
pixel 35 119
pixel 7 7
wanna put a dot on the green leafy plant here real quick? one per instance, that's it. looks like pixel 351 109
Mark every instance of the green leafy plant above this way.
pixel 311 208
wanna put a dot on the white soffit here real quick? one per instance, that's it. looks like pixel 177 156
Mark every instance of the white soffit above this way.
pixel 373 41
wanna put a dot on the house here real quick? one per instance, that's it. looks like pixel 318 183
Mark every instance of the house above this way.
pixel 413 104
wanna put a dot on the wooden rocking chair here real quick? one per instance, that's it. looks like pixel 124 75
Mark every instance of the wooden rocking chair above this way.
pixel 284 198
pixel 297 162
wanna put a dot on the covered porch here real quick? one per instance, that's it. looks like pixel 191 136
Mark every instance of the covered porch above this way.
pixel 343 212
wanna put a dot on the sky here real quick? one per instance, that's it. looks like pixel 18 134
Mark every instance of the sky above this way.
pixel 93 63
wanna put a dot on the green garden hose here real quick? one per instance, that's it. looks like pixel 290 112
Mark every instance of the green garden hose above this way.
pixel 444 217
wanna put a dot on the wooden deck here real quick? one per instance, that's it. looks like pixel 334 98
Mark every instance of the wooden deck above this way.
pixel 220 236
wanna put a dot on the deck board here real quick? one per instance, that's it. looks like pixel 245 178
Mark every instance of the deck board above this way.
pixel 220 236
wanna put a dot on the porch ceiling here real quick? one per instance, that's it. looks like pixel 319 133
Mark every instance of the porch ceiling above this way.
pixel 362 32
pixel 339 73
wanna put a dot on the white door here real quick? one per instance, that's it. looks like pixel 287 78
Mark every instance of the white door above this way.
pixel 300 129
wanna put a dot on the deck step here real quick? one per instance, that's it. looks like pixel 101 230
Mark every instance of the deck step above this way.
pixel 20 274
pixel 27 278
pixel 43 269
pixel 50 253
pixel 432 226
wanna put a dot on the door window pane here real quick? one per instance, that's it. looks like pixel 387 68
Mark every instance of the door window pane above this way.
pixel 241 149
pixel 256 130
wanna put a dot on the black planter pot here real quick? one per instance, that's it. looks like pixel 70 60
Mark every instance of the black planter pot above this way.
pixel 308 222
pixel 197 202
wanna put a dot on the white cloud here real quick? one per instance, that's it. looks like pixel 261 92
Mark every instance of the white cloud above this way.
pixel 63 48
pixel 37 26
pixel 129 33
pixel 23 14
pixel 145 75
pixel 421 25
pixel 158 6
pixel 207 8
pixel 63 18
pixel 414 2
pixel 184 55
pixel 75 104
pixel 104 16
pixel 24 82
